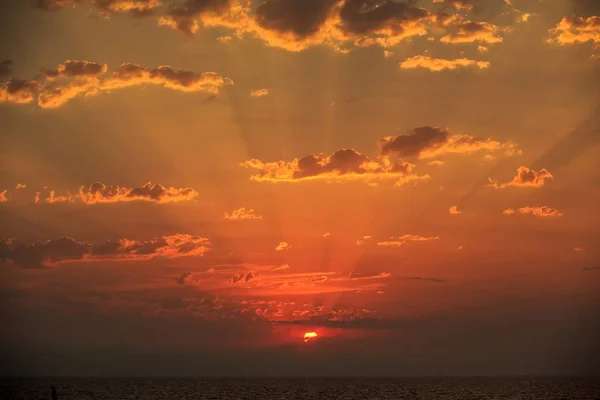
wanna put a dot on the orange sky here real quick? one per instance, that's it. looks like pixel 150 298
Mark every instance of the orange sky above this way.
pixel 415 181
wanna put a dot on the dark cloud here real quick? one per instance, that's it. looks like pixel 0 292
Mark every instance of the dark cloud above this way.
pixel 301 18
pixel 40 253
pixel 100 193
pixel 6 67
pixel 345 164
pixel 134 7
pixel 183 17
pixel 428 142
pixel 75 68
pixel 45 253
pixel 18 91
pixel 420 278
pixel 367 16
pixel 183 278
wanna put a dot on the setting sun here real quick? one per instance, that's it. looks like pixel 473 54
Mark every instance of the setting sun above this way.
pixel 309 335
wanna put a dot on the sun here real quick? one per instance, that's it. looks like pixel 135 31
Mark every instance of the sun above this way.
pixel 309 335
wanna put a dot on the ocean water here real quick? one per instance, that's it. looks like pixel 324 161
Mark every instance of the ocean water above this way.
pixel 310 389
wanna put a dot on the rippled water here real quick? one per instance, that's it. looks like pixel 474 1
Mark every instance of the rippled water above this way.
pixel 313 389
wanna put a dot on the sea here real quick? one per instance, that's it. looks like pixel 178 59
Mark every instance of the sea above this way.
pixel 309 389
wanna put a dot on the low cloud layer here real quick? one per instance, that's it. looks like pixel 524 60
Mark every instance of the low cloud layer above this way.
pixel 49 252
pixel 343 165
pixel 429 142
pixel 55 87
pixel 525 177
pixel 440 64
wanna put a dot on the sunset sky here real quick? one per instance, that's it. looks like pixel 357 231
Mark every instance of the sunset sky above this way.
pixel 188 187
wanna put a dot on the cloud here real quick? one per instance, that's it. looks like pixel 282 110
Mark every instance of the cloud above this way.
pixel 470 31
pixel 6 67
pixel 578 249
pixel 421 278
pixel 368 275
pixel 402 240
pixel 184 278
pixel 326 234
pixel 295 25
pixel 99 193
pixel 429 142
pixel 282 246
pixel 242 214
pixel 3 196
pixel 595 268
pixel 74 78
pixel 460 248
pixel 454 210
pixel 135 7
pixel 440 64
pixel 508 211
pixel 281 267
pixel 525 177
pixel 543 211
pixel 20 186
pixel 260 93
pixel 18 91
pixel 343 165
pixel 573 30
pixel 64 249
pixel 458 4
pixel 363 240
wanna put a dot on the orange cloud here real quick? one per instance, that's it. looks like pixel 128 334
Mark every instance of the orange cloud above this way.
pixel 572 30
pixel 363 240
pixel 242 214
pixel 454 210
pixel 458 4
pixel 469 32
pixel 73 78
pixel 281 267
pixel 260 93
pixel 282 246
pixel 343 165
pixel 578 249
pixel 440 64
pixel 402 240
pixel 525 178
pixel 99 193
pixel 543 211
pixel 429 142
pixel 326 234
pixel 20 186
pixel 3 196
pixel 65 249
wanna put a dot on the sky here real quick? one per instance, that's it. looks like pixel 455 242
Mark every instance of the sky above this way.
pixel 188 187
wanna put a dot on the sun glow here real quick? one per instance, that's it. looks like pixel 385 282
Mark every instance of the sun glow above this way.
pixel 309 335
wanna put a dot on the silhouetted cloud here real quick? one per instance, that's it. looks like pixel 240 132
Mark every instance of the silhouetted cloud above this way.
pixel 429 142
pixel 470 31
pixel 63 249
pixel 99 193
pixel 345 164
pixel 74 78
pixel 440 64
pixel 525 177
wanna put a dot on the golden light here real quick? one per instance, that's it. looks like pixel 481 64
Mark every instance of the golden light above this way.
pixel 309 335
